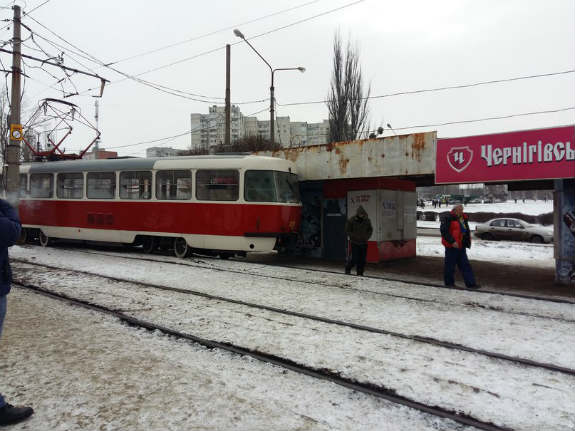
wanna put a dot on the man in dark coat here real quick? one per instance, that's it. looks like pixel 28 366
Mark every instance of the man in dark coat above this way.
pixel 9 232
pixel 456 238
pixel 358 229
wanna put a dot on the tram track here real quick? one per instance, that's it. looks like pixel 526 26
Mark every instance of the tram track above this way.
pixel 292 365
pixel 203 265
pixel 416 338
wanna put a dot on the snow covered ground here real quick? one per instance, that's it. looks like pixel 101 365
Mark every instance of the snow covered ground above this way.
pixel 507 252
pixel 83 371
pixel 163 384
pixel 529 207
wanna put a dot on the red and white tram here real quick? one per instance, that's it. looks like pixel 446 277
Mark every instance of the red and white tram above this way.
pixel 231 204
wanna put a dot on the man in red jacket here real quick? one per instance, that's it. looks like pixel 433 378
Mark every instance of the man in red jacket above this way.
pixel 456 238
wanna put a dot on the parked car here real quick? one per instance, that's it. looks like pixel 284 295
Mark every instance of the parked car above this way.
pixel 513 229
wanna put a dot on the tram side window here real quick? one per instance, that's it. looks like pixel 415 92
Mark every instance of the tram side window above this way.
pixel 174 185
pixel 70 186
pixel 271 186
pixel 136 185
pixel 101 185
pixel 260 186
pixel 217 185
pixel 288 187
pixel 41 185
pixel 23 185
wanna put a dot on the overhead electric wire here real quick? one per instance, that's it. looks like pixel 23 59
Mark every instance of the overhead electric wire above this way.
pixel 89 57
pixel 93 59
pixel 179 92
pixel 370 131
pixel 192 39
pixel 36 8
pixel 449 123
pixel 251 38
pixel 451 87
pixel 159 87
pixel 187 132
pixel 9 20
pixel 501 117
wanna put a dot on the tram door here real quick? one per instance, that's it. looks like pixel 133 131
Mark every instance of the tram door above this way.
pixel 334 218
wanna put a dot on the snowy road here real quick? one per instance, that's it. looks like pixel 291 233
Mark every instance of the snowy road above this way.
pixel 488 389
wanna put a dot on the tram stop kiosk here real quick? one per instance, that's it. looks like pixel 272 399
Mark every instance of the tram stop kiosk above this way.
pixel 392 215
pixel 381 174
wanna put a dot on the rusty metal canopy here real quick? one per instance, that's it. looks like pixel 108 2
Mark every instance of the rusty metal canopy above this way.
pixel 394 156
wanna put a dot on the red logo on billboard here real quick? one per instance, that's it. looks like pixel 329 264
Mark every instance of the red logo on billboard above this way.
pixel 459 158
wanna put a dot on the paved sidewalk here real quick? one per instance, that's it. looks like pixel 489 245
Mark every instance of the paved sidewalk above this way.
pixel 429 269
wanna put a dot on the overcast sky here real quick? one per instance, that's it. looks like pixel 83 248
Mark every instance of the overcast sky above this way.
pixel 404 46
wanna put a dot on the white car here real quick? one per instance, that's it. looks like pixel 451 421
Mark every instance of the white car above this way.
pixel 513 229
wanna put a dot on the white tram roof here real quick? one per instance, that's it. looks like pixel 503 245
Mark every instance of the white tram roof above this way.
pixel 185 162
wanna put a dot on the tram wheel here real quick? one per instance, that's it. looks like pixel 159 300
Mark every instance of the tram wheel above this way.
pixel 181 248
pixel 149 244
pixel 45 240
pixel 225 256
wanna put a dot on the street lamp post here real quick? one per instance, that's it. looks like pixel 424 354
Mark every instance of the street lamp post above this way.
pixel 273 71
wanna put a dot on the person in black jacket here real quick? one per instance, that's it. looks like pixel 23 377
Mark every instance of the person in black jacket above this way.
pixel 9 233
pixel 358 228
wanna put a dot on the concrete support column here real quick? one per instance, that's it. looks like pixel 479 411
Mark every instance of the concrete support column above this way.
pixel 564 233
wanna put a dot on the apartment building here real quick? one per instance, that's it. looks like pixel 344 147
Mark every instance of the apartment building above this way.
pixel 208 130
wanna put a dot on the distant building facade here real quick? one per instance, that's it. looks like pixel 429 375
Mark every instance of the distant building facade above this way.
pixel 100 154
pixel 208 130
pixel 162 152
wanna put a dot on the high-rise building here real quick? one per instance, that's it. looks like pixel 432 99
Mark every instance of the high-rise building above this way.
pixel 208 130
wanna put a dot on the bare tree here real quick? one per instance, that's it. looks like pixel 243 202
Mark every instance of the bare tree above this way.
pixel 249 144
pixel 347 99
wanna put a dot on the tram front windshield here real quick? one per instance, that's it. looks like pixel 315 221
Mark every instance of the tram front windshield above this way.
pixel 271 186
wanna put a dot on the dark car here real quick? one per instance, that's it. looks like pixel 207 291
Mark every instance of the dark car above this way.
pixel 513 229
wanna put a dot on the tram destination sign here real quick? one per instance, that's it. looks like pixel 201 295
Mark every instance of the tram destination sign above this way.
pixel 512 156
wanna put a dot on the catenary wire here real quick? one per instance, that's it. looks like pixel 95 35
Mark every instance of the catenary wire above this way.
pixel 395 128
pixel 157 86
pixel 187 132
pixel 251 38
pixel 192 39
pixel 450 87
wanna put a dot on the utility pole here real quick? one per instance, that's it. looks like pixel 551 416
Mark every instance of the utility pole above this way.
pixel 13 150
pixel 227 139
pixel 97 118
pixel 272 112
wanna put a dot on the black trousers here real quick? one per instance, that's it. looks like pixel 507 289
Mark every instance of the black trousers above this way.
pixel 358 255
